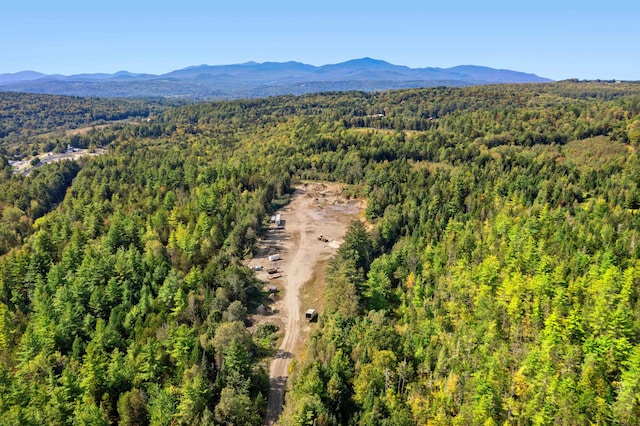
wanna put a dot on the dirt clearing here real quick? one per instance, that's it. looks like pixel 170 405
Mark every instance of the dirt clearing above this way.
pixel 313 226
pixel 24 167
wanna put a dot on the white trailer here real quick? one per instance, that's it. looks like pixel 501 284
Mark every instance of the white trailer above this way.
pixel 311 315
pixel 274 257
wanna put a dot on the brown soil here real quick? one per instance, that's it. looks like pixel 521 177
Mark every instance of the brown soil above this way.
pixel 315 209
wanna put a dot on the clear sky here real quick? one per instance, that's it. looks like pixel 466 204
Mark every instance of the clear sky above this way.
pixel 557 39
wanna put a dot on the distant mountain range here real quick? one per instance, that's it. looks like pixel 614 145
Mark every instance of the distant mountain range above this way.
pixel 253 79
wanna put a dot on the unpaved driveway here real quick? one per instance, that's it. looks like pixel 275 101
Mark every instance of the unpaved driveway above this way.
pixel 315 209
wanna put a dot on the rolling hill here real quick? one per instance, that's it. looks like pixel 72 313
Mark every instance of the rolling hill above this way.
pixel 251 79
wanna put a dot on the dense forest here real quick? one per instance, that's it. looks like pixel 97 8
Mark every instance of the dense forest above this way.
pixel 496 281
pixel 37 123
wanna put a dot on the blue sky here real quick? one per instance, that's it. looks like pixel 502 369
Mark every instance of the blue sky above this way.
pixel 556 39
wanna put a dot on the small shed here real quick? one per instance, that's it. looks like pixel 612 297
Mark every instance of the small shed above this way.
pixel 311 315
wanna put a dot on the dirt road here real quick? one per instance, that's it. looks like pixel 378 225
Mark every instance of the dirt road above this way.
pixel 316 209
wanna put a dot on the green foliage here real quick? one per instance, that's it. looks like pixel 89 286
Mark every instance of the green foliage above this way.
pixel 37 119
pixel 132 408
pixel 501 282
pixel 496 281
pixel 235 409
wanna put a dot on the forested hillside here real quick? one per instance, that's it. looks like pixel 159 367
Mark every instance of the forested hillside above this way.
pixel 496 281
pixel 25 117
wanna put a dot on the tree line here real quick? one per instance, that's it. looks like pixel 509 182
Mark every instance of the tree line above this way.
pixel 496 281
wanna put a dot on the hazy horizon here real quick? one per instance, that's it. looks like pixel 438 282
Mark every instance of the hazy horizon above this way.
pixel 89 72
pixel 592 41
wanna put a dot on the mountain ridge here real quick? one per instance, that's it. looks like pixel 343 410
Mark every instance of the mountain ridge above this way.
pixel 252 79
